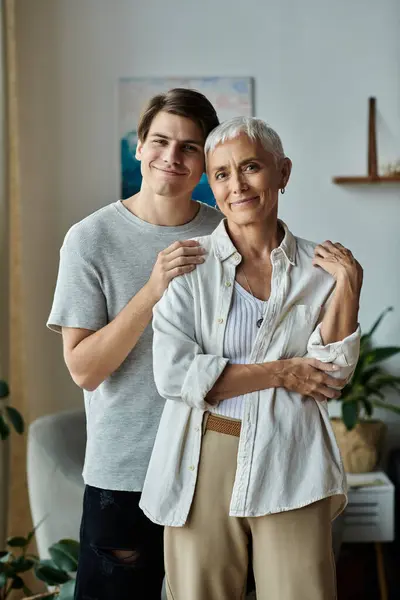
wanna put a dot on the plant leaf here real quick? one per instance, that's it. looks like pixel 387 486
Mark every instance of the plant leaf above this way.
pixel 15 419
pixel 347 391
pixel 47 562
pixel 50 575
pixel 17 542
pixel 17 583
pixel 62 558
pixel 379 354
pixel 4 429
pixel 367 406
pixel 4 556
pixel 378 321
pixel 71 546
pixel 8 570
pixel 392 407
pixel 372 389
pixel 3 580
pixel 33 557
pixel 386 379
pixel 369 373
pixel 393 386
pixel 4 390
pixel 22 564
pixel 67 590
pixel 32 533
pixel 350 414
pixel 364 341
pixel 359 370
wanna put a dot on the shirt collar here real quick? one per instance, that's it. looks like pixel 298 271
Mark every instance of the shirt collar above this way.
pixel 224 248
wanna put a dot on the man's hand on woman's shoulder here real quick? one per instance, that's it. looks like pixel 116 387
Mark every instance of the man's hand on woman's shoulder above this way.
pixel 177 259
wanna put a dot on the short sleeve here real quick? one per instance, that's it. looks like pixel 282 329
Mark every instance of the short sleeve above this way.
pixel 79 300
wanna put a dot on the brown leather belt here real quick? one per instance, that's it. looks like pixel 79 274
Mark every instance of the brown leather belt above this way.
pixel 223 425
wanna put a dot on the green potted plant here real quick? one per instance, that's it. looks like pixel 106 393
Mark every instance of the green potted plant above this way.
pixel 16 560
pixel 56 572
pixel 359 436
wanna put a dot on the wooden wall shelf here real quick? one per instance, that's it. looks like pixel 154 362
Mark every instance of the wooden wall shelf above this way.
pixel 366 180
pixel 372 178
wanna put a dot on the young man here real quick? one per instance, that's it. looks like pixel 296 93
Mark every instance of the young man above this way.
pixel 114 267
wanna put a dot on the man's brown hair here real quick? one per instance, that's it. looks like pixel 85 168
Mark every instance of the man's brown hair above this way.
pixel 184 103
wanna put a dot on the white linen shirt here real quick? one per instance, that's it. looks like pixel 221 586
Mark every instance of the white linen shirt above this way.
pixel 287 456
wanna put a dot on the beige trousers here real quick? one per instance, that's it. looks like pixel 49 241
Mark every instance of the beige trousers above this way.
pixel 207 559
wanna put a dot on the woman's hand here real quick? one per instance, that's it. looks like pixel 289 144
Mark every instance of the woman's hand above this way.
pixel 339 262
pixel 309 377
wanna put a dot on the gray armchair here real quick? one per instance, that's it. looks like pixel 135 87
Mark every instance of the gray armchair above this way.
pixel 56 450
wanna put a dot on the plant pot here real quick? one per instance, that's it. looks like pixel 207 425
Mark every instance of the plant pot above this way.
pixel 360 448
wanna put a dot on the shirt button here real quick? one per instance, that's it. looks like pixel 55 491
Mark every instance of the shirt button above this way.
pixel 197 428
pixel 191 468
pixel 228 283
pixel 220 321
pixel 236 256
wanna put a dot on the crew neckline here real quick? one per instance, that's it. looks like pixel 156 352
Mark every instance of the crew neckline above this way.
pixel 161 229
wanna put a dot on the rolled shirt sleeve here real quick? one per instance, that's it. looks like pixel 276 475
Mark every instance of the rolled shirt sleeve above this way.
pixel 182 372
pixel 344 353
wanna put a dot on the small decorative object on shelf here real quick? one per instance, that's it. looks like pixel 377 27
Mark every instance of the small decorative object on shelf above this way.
pixel 392 169
pixel 390 176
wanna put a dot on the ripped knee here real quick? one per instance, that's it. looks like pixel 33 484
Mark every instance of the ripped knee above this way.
pixel 112 558
pixel 126 557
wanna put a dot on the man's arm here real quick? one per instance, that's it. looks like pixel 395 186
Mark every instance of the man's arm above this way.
pixel 92 356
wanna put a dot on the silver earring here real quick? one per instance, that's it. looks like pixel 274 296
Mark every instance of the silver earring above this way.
pixel 283 190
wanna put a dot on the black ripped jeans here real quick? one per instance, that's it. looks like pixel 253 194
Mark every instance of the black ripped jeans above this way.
pixel 113 521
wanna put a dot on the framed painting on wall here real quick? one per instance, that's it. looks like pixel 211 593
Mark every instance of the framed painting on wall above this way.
pixel 231 96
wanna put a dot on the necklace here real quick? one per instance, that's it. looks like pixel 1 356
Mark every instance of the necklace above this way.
pixel 261 319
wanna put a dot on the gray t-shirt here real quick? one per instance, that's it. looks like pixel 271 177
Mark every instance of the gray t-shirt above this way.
pixel 104 261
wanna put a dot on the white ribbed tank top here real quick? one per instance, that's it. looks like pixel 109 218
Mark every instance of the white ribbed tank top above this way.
pixel 240 335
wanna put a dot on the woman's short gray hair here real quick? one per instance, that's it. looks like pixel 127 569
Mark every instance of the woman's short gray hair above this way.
pixel 255 129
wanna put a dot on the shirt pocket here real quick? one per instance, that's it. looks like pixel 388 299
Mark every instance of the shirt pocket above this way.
pixel 300 322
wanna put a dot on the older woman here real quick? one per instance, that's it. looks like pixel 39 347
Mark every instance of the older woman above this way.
pixel 247 348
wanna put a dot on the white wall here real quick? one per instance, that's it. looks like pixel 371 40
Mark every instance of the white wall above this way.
pixel 315 63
